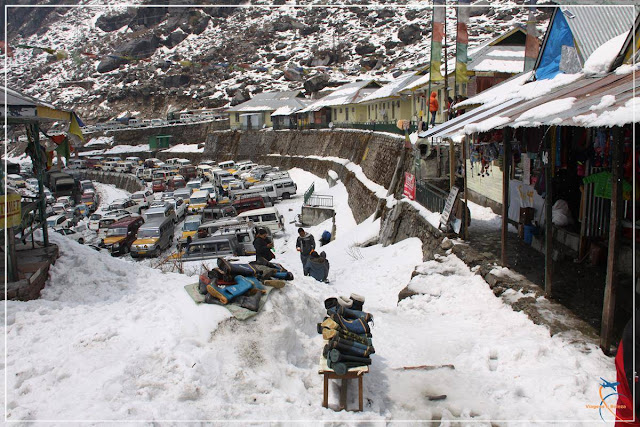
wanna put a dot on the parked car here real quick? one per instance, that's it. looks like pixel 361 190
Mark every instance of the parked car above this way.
pixel 48 196
pixel 188 171
pixel 158 185
pixel 89 199
pixel 59 208
pixel 215 213
pixel 265 217
pixel 248 204
pixel 198 201
pixel 179 206
pixel 66 200
pixel 176 182
pixel 84 210
pixel 94 221
pixel 121 235
pixel 143 198
pixel 72 234
pixel 182 193
pixel 285 187
pixel 57 222
pixel 210 247
pixel 189 229
pixel 74 214
pixel 153 237
pixel 32 184
pixel 125 204
pixel 106 221
pixel 16 181
pixel 243 234
pixel 164 211
pixel 195 184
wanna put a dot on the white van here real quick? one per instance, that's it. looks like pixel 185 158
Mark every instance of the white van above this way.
pixel 265 217
pixel 268 188
pixel 198 201
pixel 218 175
pixel 285 188
pixel 160 212
pixel 227 165
pixel 77 164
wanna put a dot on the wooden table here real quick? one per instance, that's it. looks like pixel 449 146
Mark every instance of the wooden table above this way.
pixel 353 373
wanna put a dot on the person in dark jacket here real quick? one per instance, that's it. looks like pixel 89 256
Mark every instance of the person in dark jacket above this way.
pixel 305 244
pixel 626 378
pixel 317 266
pixel 263 246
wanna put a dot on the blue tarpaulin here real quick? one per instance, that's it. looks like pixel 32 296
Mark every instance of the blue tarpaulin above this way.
pixel 560 35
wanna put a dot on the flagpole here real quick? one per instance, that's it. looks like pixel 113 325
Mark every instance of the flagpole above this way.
pixel 446 73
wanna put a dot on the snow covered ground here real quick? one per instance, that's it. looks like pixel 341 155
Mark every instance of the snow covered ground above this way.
pixel 112 339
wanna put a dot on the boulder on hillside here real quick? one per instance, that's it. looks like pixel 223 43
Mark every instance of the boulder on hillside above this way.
pixel 196 22
pixel 385 13
pixel 316 83
pixel 174 39
pixel 142 47
pixel 309 29
pixel 176 80
pixel 409 34
pixel 240 97
pixel 480 7
pixel 109 63
pixel 147 17
pixel 292 75
pixel 365 48
pixel 411 14
pixel 113 22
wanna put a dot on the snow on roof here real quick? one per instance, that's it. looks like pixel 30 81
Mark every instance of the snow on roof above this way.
pixel 392 89
pixel 185 148
pixel 504 59
pixel 601 59
pixel 518 88
pixel 349 93
pixel 284 111
pixel 100 140
pixel 271 101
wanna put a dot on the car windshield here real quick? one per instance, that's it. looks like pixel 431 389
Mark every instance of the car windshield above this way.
pixel 95 217
pixel 154 215
pixel 87 197
pixel 143 234
pixel 158 182
pixel 137 196
pixel 191 226
pixel 51 222
pixel 119 231
pixel 197 200
pixel 104 223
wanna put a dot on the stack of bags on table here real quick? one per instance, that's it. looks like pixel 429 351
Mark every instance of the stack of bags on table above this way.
pixel 241 284
pixel 347 334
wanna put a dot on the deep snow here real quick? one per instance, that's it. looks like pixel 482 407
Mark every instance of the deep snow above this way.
pixel 113 339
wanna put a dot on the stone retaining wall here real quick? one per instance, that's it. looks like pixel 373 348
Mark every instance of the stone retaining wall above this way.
pixel 124 181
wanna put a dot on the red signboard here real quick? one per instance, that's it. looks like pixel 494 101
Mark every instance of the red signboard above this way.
pixel 409 186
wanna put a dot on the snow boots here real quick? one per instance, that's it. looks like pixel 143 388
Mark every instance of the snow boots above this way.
pixel 228 293
pixel 347 332
pixel 250 302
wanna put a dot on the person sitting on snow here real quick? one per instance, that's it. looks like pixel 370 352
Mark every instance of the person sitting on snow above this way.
pixel 317 266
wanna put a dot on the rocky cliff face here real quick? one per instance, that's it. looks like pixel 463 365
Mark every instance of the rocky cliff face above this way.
pixel 105 60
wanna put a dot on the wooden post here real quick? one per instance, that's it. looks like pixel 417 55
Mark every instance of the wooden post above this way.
pixel 608 307
pixel 506 166
pixel 12 256
pixel 452 164
pixel 465 233
pixel 548 204
pixel 438 159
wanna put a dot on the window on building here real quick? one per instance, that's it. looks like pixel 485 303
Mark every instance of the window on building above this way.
pixel 464 89
pixel 341 111
pixel 393 110
pixel 237 117
pixel 353 109
pixel 346 114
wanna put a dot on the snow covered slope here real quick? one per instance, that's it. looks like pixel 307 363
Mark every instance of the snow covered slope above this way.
pixel 112 339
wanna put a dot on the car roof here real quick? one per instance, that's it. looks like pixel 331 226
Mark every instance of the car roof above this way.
pixel 211 239
pixel 55 217
pixel 193 218
pixel 125 221
pixel 261 211
pixel 200 193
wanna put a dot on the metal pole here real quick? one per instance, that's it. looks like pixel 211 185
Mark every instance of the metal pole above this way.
pixel 446 73
pixel 506 165
pixel 608 307
pixel 452 164
pixel 465 233
pixel 548 203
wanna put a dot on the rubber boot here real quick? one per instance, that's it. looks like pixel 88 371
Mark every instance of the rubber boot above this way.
pixel 250 281
pixel 328 334
pixel 345 302
pixel 278 284
pixel 349 343
pixel 358 302
pixel 347 349
pixel 357 326
pixel 336 356
pixel 354 314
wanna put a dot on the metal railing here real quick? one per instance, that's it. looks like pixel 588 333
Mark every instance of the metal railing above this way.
pixel 376 126
pixel 319 200
pixel 308 193
pixel 430 196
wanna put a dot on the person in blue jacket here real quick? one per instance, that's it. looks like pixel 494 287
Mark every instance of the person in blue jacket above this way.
pixel 317 266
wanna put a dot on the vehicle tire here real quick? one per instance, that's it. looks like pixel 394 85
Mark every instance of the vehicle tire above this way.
pixel 286 196
pixel 81 241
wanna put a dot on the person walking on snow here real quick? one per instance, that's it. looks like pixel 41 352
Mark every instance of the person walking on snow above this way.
pixel 305 244
pixel 433 107
pixel 317 266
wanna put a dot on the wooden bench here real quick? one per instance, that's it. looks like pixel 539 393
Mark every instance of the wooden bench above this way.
pixel 353 373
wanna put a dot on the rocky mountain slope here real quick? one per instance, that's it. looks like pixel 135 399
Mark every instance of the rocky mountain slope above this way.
pixel 106 60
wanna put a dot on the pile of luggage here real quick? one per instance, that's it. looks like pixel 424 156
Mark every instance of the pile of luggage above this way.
pixel 347 332
pixel 241 284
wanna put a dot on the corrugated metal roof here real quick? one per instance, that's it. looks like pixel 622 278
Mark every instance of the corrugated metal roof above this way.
pixel 592 26
pixel 349 93
pixel 271 101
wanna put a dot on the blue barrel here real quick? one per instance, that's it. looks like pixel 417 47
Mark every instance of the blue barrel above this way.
pixel 529 231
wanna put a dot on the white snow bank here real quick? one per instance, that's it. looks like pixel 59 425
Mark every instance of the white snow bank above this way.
pixel 605 101
pixel 185 148
pixel 486 125
pixel 599 62
pixel 547 109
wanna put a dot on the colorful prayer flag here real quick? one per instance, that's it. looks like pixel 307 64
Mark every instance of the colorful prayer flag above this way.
pixel 462 41
pixel 436 40
pixel 74 126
